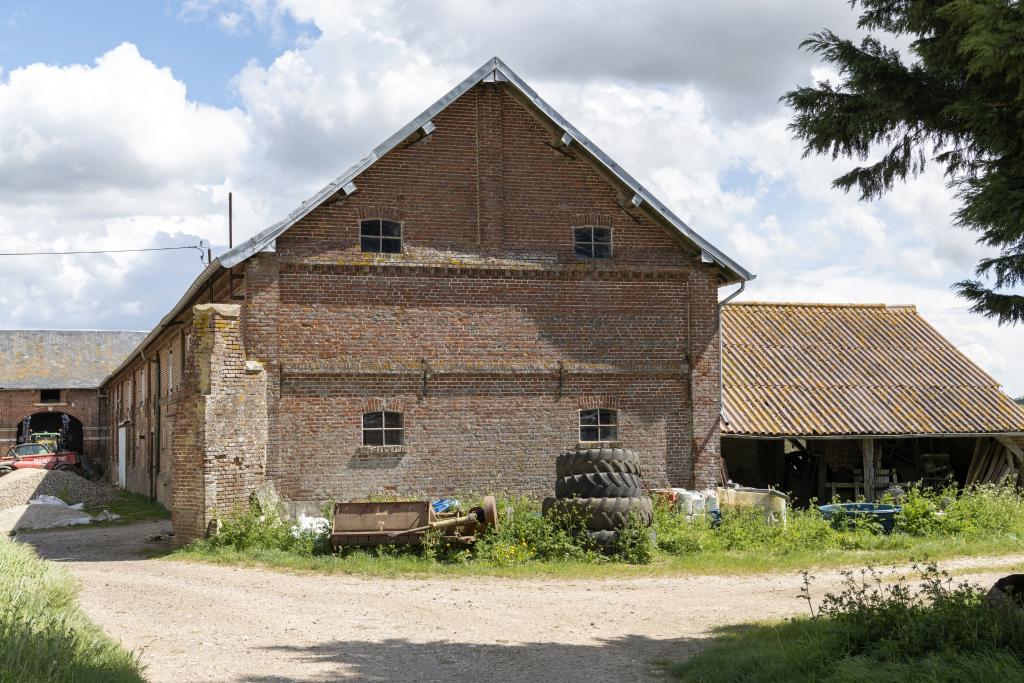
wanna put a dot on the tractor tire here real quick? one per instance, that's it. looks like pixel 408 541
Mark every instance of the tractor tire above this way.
pixel 591 460
pixel 545 506
pixel 599 485
pixel 67 468
pixel 603 539
pixel 605 514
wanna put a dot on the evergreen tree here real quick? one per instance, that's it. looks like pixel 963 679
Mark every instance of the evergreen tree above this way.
pixel 957 100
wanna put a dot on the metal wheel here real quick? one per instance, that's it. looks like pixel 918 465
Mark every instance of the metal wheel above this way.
pixel 491 511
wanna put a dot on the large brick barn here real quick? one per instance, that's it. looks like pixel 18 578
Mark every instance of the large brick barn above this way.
pixel 483 290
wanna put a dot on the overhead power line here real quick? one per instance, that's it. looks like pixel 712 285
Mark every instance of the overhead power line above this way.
pixel 96 251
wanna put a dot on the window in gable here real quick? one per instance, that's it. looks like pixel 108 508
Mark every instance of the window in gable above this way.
pixel 380 236
pixel 599 424
pixel 383 428
pixel 593 242
pixel 49 395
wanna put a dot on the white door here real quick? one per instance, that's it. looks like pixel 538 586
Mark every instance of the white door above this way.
pixel 122 455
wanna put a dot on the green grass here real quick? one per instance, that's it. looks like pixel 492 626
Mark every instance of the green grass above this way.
pixel 982 522
pixel 874 630
pixel 44 636
pixel 663 564
pixel 132 507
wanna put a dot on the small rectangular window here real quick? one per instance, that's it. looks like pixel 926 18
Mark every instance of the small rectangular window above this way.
pixel 593 242
pixel 383 428
pixel 49 395
pixel 599 424
pixel 380 236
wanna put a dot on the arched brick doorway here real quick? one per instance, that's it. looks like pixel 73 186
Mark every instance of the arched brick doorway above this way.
pixel 65 424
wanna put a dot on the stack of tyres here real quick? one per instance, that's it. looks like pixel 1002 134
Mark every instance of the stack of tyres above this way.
pixel 601 487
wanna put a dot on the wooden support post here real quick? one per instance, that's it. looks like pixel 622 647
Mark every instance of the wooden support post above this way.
pixel 868 446
pixel 822 477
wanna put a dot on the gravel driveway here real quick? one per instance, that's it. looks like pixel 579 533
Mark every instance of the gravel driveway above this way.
pixel 203 622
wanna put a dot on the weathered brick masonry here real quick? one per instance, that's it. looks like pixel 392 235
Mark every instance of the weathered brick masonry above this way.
pixel 487 332
pixel 82 404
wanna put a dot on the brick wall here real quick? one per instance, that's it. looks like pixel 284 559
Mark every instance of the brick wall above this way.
pixel 82 404
pixel 487 332
pixel 220 432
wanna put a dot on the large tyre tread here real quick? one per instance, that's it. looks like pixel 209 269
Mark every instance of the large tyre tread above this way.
pixel 603 514
pixel 599 485
pixel 597 460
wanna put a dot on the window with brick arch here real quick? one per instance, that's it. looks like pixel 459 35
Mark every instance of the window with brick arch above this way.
pixel 380 236
pixel 383 428
pixel 593 242
pixel 599 424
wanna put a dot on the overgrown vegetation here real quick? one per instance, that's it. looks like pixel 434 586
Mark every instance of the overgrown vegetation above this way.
pixel 981 520
pixel 43 634
pixel 876 630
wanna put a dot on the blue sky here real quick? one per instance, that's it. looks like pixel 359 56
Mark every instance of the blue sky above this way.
pixel 197 48
pixel 125 124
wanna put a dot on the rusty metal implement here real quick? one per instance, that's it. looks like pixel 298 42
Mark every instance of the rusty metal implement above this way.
pixel 407 522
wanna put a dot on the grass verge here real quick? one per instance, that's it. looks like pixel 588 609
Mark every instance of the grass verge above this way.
pixel 132 507
pixel 873 630
pixel 44 636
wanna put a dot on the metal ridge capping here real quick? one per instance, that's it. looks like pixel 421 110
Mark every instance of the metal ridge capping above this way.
pixel 492 66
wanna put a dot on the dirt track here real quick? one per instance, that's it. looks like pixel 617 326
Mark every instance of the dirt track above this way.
pixel 202 622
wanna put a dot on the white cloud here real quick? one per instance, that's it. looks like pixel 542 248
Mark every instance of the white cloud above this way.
pixel 682 94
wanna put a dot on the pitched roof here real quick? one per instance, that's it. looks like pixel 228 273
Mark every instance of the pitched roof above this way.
pixel 61 359
pixel 494 70
pixel 831 370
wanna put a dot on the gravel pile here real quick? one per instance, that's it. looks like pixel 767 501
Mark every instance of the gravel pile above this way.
pixel 20 486
pixel 40 517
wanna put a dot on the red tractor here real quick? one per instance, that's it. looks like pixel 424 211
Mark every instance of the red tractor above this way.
pixel 37 456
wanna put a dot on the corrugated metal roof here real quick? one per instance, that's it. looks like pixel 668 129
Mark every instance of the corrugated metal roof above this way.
pixel 61 359
pixel 833 369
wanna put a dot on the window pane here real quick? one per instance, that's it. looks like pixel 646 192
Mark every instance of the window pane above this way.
pixel 583 234
pixel 392 420
pixel 588 417
pixel 390 229
pixel 602 250
pixel 585 249
pixel 602 235
pixel 373 437
pixel 608 417
pixel 608 433
pixel 391 245
pixel 371 227
pixel 392 437
pixel 588 434
pixel 373 420
pixel 370 244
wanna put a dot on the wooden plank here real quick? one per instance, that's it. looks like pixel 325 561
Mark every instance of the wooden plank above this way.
pixel 1011 446
pixel 868 446
pixel 972 470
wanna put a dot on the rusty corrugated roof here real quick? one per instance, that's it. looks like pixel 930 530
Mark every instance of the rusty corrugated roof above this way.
pixel 845 369
pixel 61 359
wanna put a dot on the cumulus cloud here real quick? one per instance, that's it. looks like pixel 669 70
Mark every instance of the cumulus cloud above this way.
pixel 682 94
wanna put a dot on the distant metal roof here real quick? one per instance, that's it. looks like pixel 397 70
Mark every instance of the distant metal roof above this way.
pixel 832 369
pixel 61 359
pixel 497 71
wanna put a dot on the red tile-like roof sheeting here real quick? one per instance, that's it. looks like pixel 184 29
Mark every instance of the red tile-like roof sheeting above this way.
pixel 833 370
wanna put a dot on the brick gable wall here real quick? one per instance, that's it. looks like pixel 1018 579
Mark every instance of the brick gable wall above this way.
pixel 487 331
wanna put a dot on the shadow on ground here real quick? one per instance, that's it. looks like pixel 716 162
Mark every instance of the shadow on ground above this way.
pixel 115 543
pixel 626 658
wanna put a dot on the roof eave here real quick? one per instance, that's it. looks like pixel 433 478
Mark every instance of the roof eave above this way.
pixel 500 72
